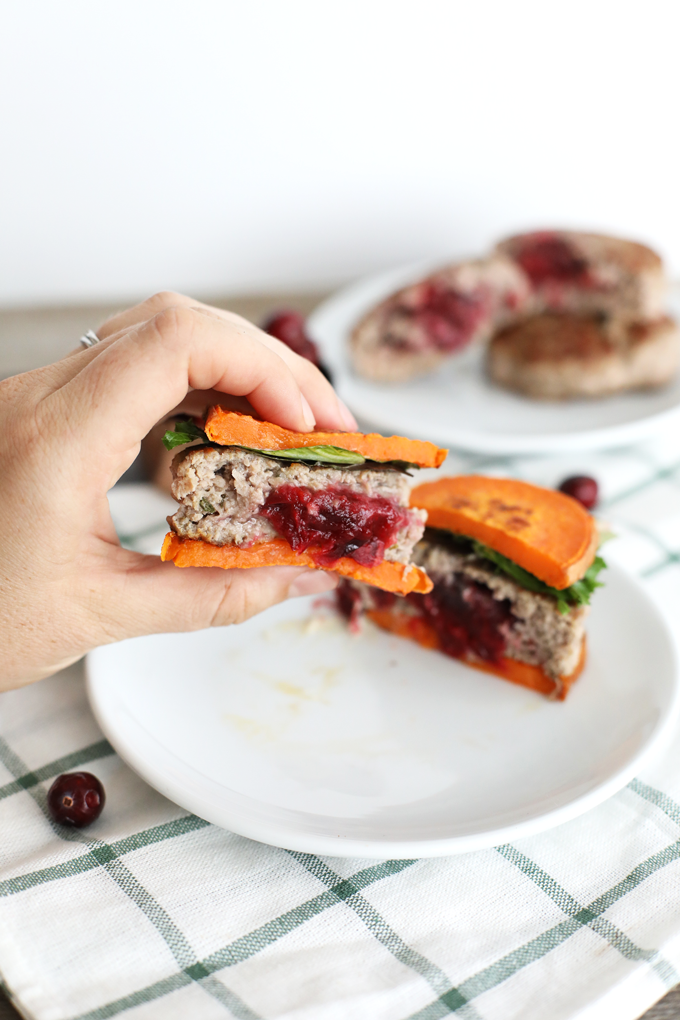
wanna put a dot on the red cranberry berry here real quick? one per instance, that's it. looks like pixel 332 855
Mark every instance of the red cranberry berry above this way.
pixel 76 798
pixel 289 327
pixel 582 488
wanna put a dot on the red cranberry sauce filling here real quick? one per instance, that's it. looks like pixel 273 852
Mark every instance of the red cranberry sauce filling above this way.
pixel 447 317
pixel 546 258
pixel 335 522
pixel 467 618
pixel 464 614
pixel 348 602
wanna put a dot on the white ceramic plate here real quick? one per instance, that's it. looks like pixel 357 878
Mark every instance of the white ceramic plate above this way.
pixel 291 731
pixel 458 406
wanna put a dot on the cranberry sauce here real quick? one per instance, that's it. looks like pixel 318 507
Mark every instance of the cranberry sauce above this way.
pixel 448 317
pixel 546 258
pixel 467 618
pixel 335 522
pixel 348 601
pixel 464 614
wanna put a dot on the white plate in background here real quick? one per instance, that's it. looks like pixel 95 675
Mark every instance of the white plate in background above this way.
pixel 291 731
pixel 458 406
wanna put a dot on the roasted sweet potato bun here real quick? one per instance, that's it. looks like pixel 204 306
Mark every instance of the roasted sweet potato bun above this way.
pixel 544 531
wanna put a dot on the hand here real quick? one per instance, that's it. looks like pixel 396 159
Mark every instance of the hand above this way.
pixel 67 434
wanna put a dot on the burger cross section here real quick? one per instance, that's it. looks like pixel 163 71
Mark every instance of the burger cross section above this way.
pixel 495 572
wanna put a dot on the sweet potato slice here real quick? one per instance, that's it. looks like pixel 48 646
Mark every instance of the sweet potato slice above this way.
pixel 546 532
pixel 415 628
pixel 399 578
pixel 229 428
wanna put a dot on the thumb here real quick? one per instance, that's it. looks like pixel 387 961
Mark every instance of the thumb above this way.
pixel 145 596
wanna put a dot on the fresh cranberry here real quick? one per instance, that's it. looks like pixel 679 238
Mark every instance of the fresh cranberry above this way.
pixel 548 259
pixel 582 488
pixel 76 798
pixel 289 327
pixel 335 522
pixel 467 618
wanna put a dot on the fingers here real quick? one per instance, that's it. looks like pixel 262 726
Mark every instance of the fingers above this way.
pixel 145 596
pixel 316 393
pixel 142 312
pixel 329 411
pixel 136 380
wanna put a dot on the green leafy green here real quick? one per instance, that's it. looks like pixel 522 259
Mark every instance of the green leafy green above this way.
pixel 315 454
pixel 334 456
pixel 577 594
pixel 184 432
pixel 399 465
pixel 206 506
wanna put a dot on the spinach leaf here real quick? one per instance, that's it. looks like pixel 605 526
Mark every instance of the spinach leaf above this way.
pixel 334 455
pixel 185 432
pixel 577 594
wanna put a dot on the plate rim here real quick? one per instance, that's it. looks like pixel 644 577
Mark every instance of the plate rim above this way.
pixel 340 846
pixel 472 441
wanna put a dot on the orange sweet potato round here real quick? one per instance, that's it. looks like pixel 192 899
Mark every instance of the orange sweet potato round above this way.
pixel 230 428
pixel 399 578
pixel 546 532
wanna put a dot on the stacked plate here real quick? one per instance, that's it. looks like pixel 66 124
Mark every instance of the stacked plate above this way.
pixel 459 407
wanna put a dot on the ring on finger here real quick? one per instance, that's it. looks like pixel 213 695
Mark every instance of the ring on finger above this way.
pixel 89 339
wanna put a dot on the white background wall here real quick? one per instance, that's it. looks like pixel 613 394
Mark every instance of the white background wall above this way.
pixel 226 145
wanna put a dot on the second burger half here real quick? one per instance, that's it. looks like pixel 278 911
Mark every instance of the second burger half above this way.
pixel 513 565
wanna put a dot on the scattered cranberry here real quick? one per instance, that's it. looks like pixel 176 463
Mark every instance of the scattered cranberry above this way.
pixel 582 488
pixel 290 328
pixel 76 798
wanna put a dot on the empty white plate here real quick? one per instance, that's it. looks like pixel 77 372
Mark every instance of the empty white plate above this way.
pixel 458 406
pixel 292 731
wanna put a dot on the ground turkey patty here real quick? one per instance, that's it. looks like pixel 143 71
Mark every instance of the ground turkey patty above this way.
pixel 554 357
pixel 236 484
pixel 538 633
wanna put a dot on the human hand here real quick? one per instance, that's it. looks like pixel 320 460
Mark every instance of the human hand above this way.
pixel 68 432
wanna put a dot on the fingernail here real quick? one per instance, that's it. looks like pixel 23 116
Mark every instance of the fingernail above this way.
pixel 348 419
pixel 307 412
pixel 312 582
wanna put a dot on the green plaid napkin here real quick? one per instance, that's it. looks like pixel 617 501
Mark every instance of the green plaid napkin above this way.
pixel 154 914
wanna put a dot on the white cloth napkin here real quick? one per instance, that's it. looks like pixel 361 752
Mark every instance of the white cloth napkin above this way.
pixel 154 914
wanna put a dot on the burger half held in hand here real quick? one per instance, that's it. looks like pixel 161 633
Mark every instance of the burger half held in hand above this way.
pixel 253 494
pixel 513 566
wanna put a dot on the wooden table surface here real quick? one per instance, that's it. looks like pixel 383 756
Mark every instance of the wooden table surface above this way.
pixel 31 337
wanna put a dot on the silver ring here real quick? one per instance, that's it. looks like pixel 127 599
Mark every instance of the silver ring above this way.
pixel 89 339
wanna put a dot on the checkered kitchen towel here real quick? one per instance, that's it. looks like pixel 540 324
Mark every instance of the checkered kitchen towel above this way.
pixel 154 914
